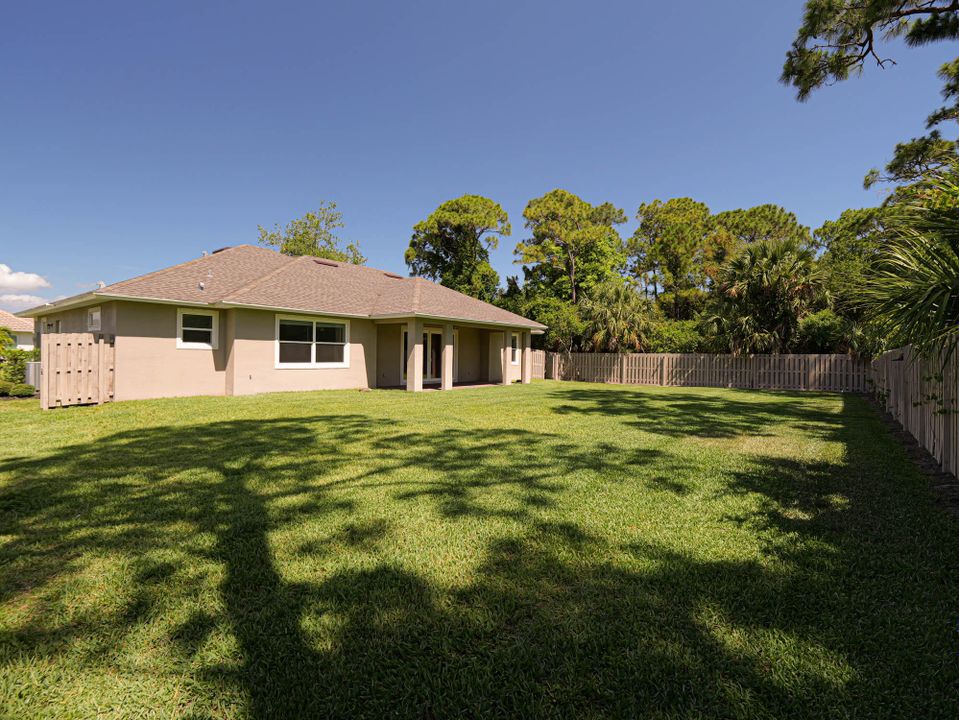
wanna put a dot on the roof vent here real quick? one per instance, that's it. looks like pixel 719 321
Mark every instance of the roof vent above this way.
pixel 393 275
pixel 226 247
pixel 324 261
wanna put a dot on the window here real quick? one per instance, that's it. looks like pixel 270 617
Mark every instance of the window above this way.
pixel 196 329
pixel 309 343
pixel 514 349
pixel 93 319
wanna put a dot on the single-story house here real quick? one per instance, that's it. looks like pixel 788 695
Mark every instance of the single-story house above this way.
pixel 21 329
pixel 247 319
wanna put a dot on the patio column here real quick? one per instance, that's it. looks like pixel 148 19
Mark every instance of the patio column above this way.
pixel 414 355
pixel 505 356
pixel 446 376
pixel 527 358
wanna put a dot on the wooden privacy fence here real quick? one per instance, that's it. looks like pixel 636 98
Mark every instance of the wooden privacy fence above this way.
pixel 76 369
pixel 921 395
pixel 539 364
pixel 833 373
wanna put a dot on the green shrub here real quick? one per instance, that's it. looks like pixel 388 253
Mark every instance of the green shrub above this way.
pixel 5 387
pixel 674 336
pixel 22 390
pixel 823 332
pixel 13 364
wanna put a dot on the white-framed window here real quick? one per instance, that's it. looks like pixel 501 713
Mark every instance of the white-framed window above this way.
pixel 514 348
pixel 312 342
pixel 196 329
pixel 93 319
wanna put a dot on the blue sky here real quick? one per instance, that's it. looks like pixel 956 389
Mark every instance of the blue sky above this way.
pixel 134 136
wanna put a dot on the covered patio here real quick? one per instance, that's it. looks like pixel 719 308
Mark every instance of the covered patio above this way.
pixel 443 355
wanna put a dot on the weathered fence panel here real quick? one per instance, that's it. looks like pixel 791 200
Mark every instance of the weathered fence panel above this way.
pixel 835 373
pixel 539 364
pixel 920 393
pixel 76 369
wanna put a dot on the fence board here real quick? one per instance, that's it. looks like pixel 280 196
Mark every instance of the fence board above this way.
pixel 920 393
pixel 833 373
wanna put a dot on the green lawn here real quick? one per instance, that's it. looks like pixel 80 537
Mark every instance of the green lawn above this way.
pixel 549 550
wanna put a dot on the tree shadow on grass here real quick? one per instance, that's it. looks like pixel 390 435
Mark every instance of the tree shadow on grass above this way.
pixel 704 413
pixel 554 621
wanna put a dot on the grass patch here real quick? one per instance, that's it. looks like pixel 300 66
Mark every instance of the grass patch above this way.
pixel 548 550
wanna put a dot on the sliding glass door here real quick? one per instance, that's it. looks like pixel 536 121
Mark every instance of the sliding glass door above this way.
pixel 432 355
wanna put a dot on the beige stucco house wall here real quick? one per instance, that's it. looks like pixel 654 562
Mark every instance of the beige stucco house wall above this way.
pixel 150 364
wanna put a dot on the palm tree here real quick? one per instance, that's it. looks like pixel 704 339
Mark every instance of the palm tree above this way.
pixel 914 295
pixel 616 317
pixel 762 294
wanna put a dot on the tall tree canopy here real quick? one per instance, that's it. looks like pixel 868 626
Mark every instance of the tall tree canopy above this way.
pixel 452 245
pixel 851 247
pixel 734 229
pixel 840 37
pixel 574 245
pixel 761 296
pixel 667 250
pixel 763 222
pixel 314 234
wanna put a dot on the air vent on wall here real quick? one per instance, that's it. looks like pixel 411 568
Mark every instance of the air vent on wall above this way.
pixel 323 261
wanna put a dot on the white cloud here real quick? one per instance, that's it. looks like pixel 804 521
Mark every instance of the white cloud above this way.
pixel 20 301
pixel 19 281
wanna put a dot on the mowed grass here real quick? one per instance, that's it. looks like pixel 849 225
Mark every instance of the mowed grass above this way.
pixel 550 550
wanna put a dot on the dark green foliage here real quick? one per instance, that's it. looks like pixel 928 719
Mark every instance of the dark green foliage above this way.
pixel 840 37
pixel 13 363
pixel 616 317
pixel 5 386
pixel 667 251
pixel 915 160
pixel 452 245
pixel 565 326
pixel 682 304
pixel 763 222
pixel 912 295
pixel 22 390
pixel 574 245
pixel 674 336
pixel 760 297
pixel 850 250
pixel 822 332
pixel 314 234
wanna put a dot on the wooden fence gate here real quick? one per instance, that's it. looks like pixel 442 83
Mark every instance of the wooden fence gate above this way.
pixel 76 369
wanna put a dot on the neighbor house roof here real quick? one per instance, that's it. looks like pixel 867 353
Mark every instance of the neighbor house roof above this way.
pixel 14 323
pixel 251 276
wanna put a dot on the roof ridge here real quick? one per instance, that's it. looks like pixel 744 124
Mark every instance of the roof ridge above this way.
pixel 417 284
pixel 178 266
pixel 257 281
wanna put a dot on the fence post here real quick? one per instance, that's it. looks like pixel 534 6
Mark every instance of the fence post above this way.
pixel 44 372
pixel 101 373
pixel 662 369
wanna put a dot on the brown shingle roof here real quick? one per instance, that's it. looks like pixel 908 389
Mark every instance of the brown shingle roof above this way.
pixel 14 323
pixel 251 275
